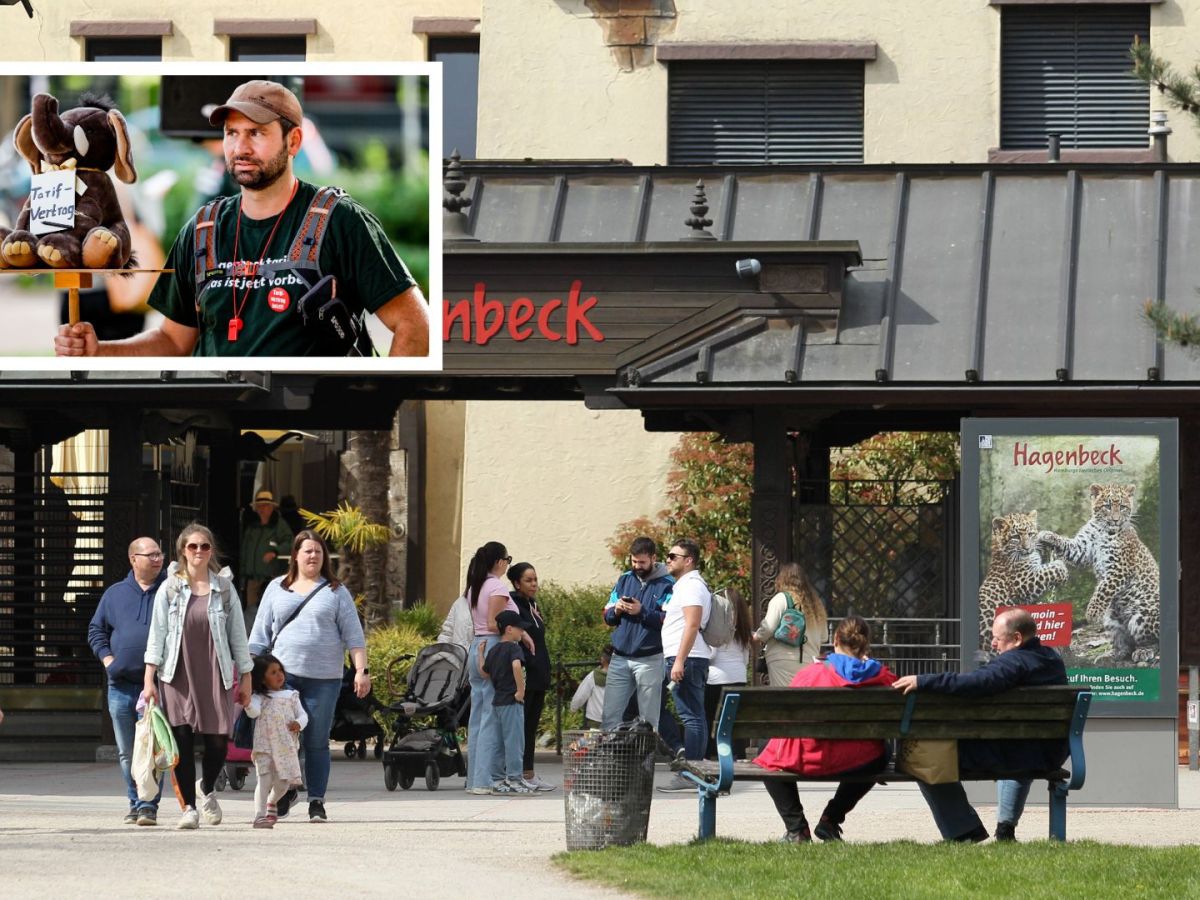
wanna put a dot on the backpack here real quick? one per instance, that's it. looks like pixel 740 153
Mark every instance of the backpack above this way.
pixel 719 630
pixel 792 624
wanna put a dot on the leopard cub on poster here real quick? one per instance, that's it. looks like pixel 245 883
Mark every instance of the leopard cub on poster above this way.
pixel 1126 598
pixel 1016 573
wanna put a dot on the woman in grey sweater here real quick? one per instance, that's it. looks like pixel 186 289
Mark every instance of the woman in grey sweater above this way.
pixel 312 649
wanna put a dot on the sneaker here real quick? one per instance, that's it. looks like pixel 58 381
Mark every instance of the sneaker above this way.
pixel 480 791
pixel 974 836
pixel 147 815
pixel 801 836
pixel 316 811
pixel 284 804
pixel 677 785
pixel 538 785
pixel 827 830
pixel 263 822
pixel 511 786
pixel 1006 831
pixel 209 807
pixel 189 820
pixel 131 817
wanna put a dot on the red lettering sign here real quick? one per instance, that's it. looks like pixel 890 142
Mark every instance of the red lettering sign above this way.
pixel 1053 622
pixel 278 299
pixel 555 319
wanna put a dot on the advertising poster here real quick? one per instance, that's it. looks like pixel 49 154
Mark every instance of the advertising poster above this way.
pixel 1075 525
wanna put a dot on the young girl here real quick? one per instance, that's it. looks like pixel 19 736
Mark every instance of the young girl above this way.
pixel 280 719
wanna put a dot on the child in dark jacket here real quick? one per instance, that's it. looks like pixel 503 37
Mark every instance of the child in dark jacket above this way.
pixel 504 666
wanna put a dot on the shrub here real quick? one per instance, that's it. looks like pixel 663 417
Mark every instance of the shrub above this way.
pixel 575 632
pixel 424 619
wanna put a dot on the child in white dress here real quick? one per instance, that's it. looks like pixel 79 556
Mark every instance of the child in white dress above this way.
pixel 276 737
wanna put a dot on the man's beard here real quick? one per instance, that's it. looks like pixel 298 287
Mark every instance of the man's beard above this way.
pixel 258 180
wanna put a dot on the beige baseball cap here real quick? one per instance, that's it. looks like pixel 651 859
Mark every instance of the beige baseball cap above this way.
pixel 261 102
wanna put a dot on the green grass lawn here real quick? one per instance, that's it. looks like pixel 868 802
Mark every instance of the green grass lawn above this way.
pixel 902 869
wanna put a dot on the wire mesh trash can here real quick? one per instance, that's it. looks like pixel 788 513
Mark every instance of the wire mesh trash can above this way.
pixel 608 781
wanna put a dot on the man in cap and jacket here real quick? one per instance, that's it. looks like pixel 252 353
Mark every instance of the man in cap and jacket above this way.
pixel 266 548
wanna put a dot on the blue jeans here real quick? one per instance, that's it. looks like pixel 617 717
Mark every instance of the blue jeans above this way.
pixel 122 707
pixel 1011 795
pixel 511 718
pixel 485 752
pixel 689 700
pixel 629 675
pixel 318 696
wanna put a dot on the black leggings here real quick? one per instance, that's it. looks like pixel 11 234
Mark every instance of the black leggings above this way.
pixel 787 796
pixel 215 747
pixel 534 702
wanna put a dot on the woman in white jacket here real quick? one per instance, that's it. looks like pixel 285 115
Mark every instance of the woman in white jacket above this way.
pixel 197 636
pixel 783 659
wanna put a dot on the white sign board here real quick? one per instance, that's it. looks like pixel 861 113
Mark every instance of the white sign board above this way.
pixel 1193 714
pixel 52 202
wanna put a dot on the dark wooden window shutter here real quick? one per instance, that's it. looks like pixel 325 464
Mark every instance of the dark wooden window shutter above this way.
pixel 758 111
pixel 1065 70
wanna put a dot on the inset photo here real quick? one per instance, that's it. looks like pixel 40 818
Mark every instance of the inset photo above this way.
pixel 173 215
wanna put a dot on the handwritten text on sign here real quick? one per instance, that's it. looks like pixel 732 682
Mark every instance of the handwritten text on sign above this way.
pixel 1053 622
pixel 52 202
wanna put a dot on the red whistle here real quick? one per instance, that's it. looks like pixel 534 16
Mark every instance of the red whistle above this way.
pixel 235 325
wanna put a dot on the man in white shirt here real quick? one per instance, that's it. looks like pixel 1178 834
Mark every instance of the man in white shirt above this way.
pixel 685 657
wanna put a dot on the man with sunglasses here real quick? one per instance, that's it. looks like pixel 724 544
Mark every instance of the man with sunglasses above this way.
pixel 685 658
pixel 117 635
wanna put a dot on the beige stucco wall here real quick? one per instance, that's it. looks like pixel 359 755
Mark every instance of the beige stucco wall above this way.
pixel 444 424
pixel 347 30
pixel 552 481
pixel 932 95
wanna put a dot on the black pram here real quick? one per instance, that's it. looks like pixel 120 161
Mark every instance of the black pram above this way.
pixel 436 693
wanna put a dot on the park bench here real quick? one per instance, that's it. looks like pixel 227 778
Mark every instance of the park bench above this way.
pixel 883 713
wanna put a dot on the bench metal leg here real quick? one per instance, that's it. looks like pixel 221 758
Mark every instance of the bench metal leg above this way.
pixel 1058 811
pixel 708 814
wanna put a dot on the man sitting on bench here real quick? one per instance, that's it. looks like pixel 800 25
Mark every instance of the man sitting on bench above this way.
pixel 1023 661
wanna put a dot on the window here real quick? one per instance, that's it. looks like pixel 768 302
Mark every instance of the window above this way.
pixel 459 57
pixel 758 111
pixel 123 49
pixel 1065 70
pixel 256 48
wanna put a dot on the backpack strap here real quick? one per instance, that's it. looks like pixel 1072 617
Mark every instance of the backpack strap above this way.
pixel 306 246
pixel 205 239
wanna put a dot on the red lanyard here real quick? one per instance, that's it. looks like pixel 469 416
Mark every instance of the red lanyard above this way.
pixel 235 324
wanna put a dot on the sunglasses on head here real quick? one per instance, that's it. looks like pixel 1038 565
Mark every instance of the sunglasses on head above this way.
pixel 203 547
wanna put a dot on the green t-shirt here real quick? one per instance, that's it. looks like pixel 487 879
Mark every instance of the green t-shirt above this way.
pixel 355 251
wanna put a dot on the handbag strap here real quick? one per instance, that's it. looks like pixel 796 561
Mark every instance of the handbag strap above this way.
pixel 295 612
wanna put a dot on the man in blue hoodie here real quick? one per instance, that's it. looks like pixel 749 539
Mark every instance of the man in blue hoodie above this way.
pixel 635 611
pixel 117 634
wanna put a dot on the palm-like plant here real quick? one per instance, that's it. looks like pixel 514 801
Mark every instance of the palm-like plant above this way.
pixel 347 528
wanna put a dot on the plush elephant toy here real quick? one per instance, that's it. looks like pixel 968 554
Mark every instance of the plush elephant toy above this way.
pixel 90 140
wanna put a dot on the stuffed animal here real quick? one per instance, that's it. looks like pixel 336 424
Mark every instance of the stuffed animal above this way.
pixel 88 140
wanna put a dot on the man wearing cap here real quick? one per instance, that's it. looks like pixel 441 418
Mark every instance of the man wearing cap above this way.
pixel 251 273
pixel 266 547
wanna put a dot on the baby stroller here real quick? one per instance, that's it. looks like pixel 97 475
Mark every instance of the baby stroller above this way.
pixel 437 691
pixel 353 722
pixel 237 760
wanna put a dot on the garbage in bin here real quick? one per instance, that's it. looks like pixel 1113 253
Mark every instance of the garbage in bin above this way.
pixel 608 781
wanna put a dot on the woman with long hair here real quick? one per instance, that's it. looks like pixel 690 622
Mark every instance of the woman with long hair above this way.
pixel 524 580
pixel 487 595
pixel 197 636
pixel 849 665
pixel 793 590
pixel 726 667
pixel 307 619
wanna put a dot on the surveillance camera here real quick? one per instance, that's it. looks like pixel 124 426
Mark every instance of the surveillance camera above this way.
pixel 748 268
pixel 24 3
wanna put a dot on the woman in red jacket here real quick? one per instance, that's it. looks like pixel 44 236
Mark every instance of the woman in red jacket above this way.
pixel 848 666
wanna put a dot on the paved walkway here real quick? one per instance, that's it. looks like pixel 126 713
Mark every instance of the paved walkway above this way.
pixel 61 836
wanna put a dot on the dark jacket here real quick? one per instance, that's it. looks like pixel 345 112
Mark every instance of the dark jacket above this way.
pixel 121 625
pixel 640 635
pixel 1029 665
pixel 257 539
pixel 537 665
